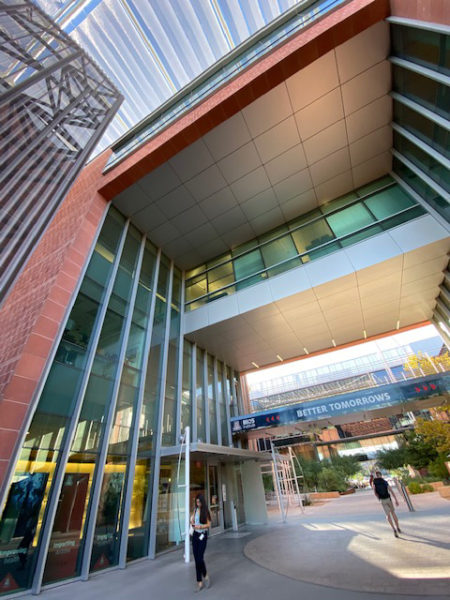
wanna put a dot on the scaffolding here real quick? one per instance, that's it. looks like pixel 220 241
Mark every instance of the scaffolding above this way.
pixel 286 480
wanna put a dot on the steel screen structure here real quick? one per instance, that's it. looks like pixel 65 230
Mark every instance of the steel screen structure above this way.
pixel 55 104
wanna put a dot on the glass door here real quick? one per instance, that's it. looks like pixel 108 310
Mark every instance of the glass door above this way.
pixel 214 499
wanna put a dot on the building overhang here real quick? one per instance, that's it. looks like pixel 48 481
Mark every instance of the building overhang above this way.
pixel 201 450
pixel 379 285
pixel 335 28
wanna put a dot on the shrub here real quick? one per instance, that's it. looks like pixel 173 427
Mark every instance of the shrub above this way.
pixel 415 488
pixel 437 467
pixel 331 480
pixel 419 488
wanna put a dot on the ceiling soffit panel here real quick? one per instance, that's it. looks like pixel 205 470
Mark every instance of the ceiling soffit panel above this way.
pixel 397 292
pixel 319 134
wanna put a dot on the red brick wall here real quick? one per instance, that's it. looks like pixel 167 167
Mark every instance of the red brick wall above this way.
pixel 434 11
pixel 32 313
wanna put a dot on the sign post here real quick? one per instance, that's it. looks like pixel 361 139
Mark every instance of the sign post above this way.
pixel 186 496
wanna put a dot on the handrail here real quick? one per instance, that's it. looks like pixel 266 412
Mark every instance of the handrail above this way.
pixel 294 229
pixel 298 255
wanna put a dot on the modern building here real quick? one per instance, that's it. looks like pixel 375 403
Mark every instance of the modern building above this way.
pixel 292 200
pixel 55 105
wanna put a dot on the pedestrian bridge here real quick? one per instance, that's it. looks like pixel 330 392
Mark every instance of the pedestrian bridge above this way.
pixel 370 402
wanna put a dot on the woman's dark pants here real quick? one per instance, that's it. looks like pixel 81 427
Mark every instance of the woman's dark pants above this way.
pixel 198 548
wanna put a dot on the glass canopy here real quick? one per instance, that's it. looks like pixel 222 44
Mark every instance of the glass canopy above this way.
pixel 153 48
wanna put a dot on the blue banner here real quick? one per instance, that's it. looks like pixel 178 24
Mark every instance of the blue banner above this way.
pixel 360 401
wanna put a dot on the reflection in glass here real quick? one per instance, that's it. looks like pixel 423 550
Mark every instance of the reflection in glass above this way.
pixel 212 401
pixel 139 527
pixel 186 404
pixel 222 404
pixel 96 405
pixel 170 404
pixel 46 434
pixel 200 397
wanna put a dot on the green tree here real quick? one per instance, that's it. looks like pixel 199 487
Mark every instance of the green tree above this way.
pixel 347 465
pixel 393 458
pixel 436 434
pixel 437 468
pixel 311 470
pixel 419 452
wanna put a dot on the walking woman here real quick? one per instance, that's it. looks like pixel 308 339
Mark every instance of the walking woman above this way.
pixel 201 522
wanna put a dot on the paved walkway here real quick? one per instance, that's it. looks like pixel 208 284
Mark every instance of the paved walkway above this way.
pixel 348 544
pixel 341 531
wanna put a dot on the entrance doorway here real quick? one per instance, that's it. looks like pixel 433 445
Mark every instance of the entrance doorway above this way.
pixel 214 498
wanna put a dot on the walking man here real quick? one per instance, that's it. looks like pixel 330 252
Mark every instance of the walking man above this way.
pixel 383 492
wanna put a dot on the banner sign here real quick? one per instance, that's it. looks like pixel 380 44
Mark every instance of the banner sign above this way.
pixel 359 401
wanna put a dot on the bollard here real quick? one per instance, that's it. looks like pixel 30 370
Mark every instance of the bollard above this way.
pixel 405 494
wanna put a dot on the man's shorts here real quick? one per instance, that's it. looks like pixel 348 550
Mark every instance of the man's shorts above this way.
pixel 387 505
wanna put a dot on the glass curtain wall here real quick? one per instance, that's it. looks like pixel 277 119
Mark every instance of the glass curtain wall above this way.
pixel 85 451
pixel 110 511
pixel 421 84
pixel 22 517
pixel 83 483
pixel 200 394
pixel 212 409
pixel 140 517
pixel 186 399
pixel 369 210
pixel 221 387
pixel 170 400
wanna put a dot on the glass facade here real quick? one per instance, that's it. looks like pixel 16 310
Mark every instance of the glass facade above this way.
pixel 367 211
pixel 421 91
pixel 120 386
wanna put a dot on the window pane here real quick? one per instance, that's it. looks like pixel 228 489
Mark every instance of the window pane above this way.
pixel 374 186
pixel 277 251
pixel 338 203
pixel 349 220
pixel 247 265
pixel 386 203
pixel 312 235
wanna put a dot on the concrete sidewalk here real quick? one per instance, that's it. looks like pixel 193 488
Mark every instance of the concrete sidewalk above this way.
pixel 348 544
pixel 234 575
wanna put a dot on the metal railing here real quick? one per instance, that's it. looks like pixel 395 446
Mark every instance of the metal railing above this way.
pixel 386 374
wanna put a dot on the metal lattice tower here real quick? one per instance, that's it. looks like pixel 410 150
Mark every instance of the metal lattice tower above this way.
pixel 55 104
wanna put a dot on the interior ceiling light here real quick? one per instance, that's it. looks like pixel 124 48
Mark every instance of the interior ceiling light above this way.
pixel 398 325
pixel 255 365
pixel 279 358
pixel 365 334
pixel 334 343
pixel 306 350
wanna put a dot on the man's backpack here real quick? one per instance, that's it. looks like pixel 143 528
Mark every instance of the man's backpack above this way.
pixel 381 487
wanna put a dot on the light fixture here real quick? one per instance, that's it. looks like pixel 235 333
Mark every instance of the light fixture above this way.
pixel 334 343
pixel 365 334
pixel 306 350
pixel 398 325
pixel 255 365
pixel 279 358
